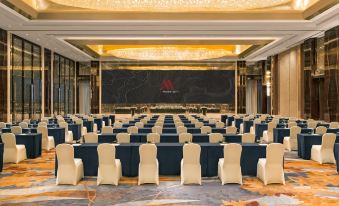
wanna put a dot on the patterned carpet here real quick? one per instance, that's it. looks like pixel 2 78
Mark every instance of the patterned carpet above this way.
pixel 32 182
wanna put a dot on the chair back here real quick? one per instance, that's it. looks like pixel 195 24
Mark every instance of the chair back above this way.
pixel 153 137
pixel 91 138
pixel 181 129
pixel 2 125
pixel 271 126
pixel 212 121
pixel 191 153
pixel 206 130
pixel 79 121
pixel 144 121
pixel 179 124
pixel 328 141
pixel 311 124
pixel 198 124
pixel 107 130
pixel 9 140
pixel 106 154
pixel 44 133
pixel 231 130
pixel 185 137
pixel 219 125
pixel 27 121
pixel 215 138
pixel 64 125
pixel 292 124
pixel 320 130
pixel 148 154
pixel 65 154
pixel 132 130
pixel 117 125
pixel 23 125
pixel 275 154
pixel 42 124
pixel 248 138
pixel 139 124
pixel 333 125
pixel 123 138
pixel 159 123
pixel 232 154
pixel 16 130
pixel 294 131
pixel 157 129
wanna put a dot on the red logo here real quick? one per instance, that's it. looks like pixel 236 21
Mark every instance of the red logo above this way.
pixel 167 85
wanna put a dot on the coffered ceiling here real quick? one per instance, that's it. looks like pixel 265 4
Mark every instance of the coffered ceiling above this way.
pixel 184 29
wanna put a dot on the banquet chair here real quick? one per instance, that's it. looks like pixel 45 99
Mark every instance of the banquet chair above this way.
pixel 312 124
pixel 83 130
pixel 70 169
pixel 324 153
pixel 153 138
pixel 229 169
pixel 320 130
pixel 157 129
pixel 215 138
pixel 123 138
pixel 107 130
pixel 139 125
pixel 23 125
pixel 292 124
pixel 212 121
pixel 179 124
pixel 268 134
pixel 181 129
pixel 206 130
pixel 291 143
pixel 148 165
pixel 219 125
pixel 198 124
pixel 2 125
pixel 28 121
pixel 68 134
pixel 132 130
pixel 144 121
pixel 270 169
pixel 334 125
pixel 16 130
pixel 42 124
pixel 117 125
pixel 190 164
pixel 95 126
pixel 248 138
pixel 46 141
pixel 185 137
pixel 12 152
pixel 91 137
pixel 231 130
pixel 125 121
pixel 109 169
pixel 256 121
pixel 160 124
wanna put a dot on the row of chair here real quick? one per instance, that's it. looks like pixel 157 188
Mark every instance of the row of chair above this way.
pixel 155 138
pixel 71 171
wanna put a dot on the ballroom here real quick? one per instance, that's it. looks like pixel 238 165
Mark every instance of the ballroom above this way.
pixel 169 102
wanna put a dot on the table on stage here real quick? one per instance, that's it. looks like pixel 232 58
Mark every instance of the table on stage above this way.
pixel 305 142
pixel 169 156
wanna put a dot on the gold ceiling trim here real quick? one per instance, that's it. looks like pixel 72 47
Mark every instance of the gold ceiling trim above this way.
pixel 171 5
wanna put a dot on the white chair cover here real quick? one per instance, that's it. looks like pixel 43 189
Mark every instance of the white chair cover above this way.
pixel 148 166
pixel 12 152
pixel 229 169
pixel 190 164
pixel 109 169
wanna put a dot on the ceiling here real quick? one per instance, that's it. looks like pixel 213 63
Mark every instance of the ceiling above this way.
pixel 92 31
